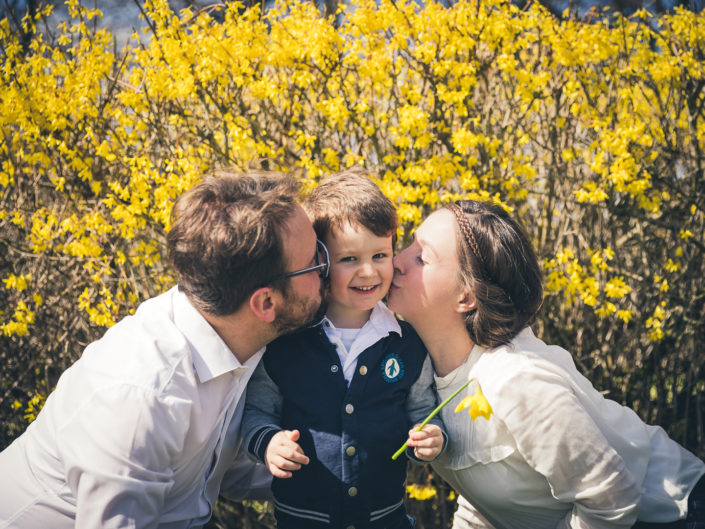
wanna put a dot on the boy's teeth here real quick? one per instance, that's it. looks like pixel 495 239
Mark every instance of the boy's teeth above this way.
pixel 364 288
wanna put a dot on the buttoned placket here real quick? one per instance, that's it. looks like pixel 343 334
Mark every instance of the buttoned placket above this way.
pixel 368 335
pixel 225 448
pixel 350 454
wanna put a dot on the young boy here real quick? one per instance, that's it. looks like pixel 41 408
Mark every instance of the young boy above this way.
pixel 327 407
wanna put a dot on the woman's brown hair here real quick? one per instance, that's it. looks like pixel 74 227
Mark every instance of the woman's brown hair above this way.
pixel 498 265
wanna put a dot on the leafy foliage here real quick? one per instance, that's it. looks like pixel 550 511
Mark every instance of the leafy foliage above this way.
pixel 592 134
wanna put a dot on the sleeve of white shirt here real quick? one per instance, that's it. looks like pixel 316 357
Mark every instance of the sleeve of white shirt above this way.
pixel 117 450
pixel 559 439
pixel 247 480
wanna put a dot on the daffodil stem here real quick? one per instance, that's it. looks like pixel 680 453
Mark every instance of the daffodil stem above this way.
pixel 431 416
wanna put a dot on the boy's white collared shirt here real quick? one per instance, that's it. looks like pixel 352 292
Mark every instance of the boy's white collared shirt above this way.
pixel 381 323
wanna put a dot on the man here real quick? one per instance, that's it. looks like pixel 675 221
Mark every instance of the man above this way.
pixel 141 430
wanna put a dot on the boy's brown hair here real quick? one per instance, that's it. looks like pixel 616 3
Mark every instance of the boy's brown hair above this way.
pixel 351 197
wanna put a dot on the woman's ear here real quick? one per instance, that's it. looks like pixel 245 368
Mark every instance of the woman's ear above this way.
pixel 466 302
pixel 262 304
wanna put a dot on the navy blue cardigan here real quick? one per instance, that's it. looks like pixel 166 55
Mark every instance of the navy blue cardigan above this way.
pixel 349 433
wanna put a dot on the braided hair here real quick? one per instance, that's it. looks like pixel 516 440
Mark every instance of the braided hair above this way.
pixel 499 266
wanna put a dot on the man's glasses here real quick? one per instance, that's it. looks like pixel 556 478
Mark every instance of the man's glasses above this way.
pixel 322 264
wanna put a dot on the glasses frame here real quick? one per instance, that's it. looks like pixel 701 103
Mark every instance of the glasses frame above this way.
pixel 324 268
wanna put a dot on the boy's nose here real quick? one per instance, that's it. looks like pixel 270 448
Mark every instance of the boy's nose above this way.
pixel 366 269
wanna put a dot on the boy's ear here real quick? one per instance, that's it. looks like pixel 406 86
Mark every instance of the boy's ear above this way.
pixel 262 304
pixel 466 302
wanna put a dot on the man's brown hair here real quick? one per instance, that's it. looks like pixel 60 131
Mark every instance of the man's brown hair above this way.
pixel 351 197
pixel 226 236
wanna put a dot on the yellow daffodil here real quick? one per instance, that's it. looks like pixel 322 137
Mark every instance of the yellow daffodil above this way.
pixel 478 404
pixel 477 401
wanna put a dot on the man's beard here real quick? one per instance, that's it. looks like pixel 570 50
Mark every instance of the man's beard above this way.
pixel 300 313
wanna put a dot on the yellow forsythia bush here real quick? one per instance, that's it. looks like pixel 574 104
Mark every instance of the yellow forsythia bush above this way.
pixel 593 134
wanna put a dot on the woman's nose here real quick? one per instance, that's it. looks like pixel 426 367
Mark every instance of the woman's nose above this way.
pixel 397 263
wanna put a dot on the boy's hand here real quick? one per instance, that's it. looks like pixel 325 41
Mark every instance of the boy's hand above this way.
pixel 427 443
pixel 284 454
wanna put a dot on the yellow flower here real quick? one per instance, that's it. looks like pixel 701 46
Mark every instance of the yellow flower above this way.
pixel 421 492
pixel 478 404
pixel 19 282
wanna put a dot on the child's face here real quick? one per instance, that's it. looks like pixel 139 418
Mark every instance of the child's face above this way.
pixel 361 272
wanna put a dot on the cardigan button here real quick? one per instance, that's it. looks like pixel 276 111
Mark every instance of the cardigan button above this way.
pixel 352 491
pixel 363 370
pixel 350 450
pixel 349 409
pixel 334 368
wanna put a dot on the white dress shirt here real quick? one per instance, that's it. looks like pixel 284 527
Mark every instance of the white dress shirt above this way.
pixel 138 433
pixel 555 452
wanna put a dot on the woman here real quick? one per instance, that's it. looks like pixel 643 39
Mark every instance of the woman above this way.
pixel 554 453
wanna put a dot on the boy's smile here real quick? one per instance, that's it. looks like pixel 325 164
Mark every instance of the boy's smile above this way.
pixel 360 274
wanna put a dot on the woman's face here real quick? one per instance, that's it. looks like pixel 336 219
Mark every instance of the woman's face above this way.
pixel 426 284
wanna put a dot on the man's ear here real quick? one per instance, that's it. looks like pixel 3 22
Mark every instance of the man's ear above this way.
pixel 466 302
pixel 262 304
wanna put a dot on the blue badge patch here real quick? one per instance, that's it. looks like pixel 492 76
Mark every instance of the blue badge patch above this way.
pixel 392 368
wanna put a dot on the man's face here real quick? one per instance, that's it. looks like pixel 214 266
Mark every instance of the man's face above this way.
pixel 299 313
pixel 304 294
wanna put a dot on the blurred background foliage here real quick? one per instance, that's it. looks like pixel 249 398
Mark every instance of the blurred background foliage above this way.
pixel 592 134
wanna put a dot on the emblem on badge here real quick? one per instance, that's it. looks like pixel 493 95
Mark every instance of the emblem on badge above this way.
pixel 392 368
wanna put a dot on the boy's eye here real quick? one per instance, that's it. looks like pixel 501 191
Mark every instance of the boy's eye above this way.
pixel 347 259
pixel 380 255
pixel 419 259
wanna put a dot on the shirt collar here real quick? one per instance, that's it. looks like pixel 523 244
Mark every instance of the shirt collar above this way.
pixel 211 357
pixel 381 323
pixel 461 373
pixel 383 319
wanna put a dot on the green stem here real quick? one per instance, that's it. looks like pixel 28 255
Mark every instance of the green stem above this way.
pixel 432 415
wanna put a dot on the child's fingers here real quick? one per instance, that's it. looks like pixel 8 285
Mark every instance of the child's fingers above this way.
pixel 426 454
pixel 291 452
pixel 428 449
pixel 419 436
pixel 283 455
pixel 426 442
pixel 284 445
pixel 430 430
pixel 285 463
pixel 294 453
pixel 282 463
pixel 293 435
pixel 277 472
pixel 415 437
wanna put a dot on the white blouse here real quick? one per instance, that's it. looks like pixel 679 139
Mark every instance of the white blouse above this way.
pixel 555 452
